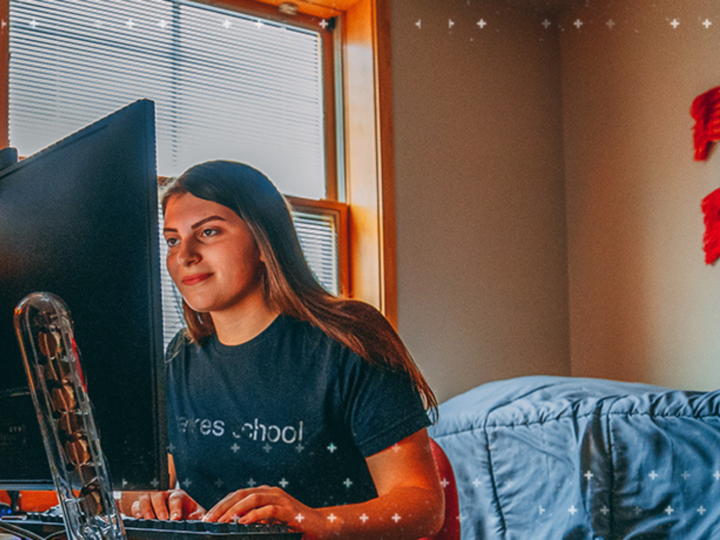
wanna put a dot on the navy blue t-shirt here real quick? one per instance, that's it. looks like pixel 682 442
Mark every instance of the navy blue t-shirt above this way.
pixel 290 408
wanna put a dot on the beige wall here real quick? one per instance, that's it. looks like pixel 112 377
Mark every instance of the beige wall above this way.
pixel 482 267
pixel 643 306
pixel 527 160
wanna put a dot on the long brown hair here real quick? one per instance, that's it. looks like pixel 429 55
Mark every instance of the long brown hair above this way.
pixel 288 283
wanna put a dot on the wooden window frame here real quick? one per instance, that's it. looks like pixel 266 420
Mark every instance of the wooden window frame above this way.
pixel 339 212
pixel 366 140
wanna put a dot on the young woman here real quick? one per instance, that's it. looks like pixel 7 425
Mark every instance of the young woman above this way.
pixel 285 403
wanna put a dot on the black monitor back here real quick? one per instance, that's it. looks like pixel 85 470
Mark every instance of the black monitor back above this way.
pixel 78 219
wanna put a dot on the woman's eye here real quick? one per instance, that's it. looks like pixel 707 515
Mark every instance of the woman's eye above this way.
pixel 171 242
pixel 209 232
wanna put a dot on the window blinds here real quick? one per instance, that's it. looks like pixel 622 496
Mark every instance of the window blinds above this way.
pixel 226 85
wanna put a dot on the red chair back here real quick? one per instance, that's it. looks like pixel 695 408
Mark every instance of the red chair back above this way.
pixel 451 527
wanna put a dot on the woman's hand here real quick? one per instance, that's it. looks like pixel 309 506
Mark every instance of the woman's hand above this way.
pixel 270 505
pixel 173 504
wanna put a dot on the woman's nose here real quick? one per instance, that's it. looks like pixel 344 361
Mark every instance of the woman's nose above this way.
pixel 188 253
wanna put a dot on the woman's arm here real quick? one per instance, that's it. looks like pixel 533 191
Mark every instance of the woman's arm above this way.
pixel 410 502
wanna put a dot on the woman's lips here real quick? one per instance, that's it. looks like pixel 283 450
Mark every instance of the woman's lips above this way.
pixel 195 278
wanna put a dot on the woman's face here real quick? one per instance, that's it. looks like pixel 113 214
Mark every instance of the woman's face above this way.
pixel 212 257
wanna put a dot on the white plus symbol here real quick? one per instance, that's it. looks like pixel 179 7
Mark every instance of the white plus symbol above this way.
pixel 546 24
pixel 187 483
pixel 324 25
pixel 717 475
pixel 572 510
pixel 348 483
pixel 701 510
pixel 33 23
pixel 267 447
pixel 604 510
pixel 481 23
pixel 419 24
pixel 653 475
pixel 451 23
pixel 669 510
pixel 675 23
pixel 477 483
pixel 588 475
pixel 610 24
pixel 252 483
pixel 332 448
pixel 578 23
pixel 541 510
pixel 364 518
pixel 235 447
pixel 332 518
pixel 445 482
pixel 283 483
pixel 707 23
pixel 299 518
pixel 685 475
pixel 395 518
pixel 226 23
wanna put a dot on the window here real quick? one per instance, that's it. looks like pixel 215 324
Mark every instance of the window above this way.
pixel 365 136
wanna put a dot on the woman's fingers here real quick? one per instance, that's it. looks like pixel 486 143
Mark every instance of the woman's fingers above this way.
pixel 142 508
pixel 175 504
pixel 254 501
pixel 182 506
pixel 159 504
pixel 265 504
pixel 226 503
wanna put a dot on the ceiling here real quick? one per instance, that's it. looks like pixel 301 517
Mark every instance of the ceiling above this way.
pixel 548 5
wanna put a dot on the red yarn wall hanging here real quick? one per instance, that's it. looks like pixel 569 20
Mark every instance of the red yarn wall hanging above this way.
pixel 706 112
pixel 711 240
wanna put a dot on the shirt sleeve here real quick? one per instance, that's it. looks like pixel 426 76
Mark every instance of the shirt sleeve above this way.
pixel 382 407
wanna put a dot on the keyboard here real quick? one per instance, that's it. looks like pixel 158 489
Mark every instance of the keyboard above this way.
pixel 155 529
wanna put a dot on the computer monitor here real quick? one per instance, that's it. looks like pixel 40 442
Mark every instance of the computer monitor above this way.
pixel 79 219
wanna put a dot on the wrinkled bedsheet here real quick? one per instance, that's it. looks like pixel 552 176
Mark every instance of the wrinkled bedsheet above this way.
pixel 570 458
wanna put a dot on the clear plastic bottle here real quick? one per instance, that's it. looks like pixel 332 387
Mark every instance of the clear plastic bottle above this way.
pixel 52 363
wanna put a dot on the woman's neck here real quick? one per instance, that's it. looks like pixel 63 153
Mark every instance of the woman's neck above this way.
pixel 239 326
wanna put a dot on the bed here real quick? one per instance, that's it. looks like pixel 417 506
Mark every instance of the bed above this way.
pixel 572 458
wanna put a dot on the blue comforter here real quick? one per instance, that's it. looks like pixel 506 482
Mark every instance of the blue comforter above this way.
pixel 568 458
